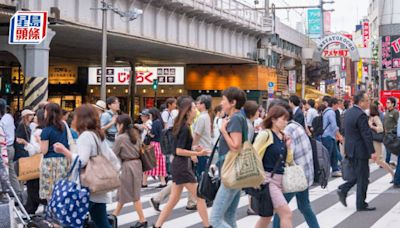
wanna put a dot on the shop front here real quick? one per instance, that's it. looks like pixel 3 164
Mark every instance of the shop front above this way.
pixel 212 79
pixel 64 86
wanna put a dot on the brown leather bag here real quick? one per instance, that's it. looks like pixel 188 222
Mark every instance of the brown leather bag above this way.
pixel 99 175
pixel 29 167
pixel 148 157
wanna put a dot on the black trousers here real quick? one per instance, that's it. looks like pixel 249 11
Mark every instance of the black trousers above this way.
pixel 33 200
pixel 361 170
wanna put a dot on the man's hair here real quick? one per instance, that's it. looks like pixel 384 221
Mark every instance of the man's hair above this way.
pixel 391 99
pixel 295 100
pixel 328 100
pixel 205 99
pixel 358 97
pixel 234 93
pixel 335 101
pixel 311 102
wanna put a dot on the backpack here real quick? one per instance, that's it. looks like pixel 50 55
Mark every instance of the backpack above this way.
pixel 318 126
pixel 322 163
pixel 167 142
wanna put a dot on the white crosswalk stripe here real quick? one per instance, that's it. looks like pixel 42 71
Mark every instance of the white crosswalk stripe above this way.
pixel 332 215
pixel 329 211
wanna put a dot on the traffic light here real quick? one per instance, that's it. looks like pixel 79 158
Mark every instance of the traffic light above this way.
pixel 7 88
pixel 155 84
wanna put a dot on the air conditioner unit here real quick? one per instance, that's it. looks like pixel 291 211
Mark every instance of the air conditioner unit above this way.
pixel 261 54
pixel 289 64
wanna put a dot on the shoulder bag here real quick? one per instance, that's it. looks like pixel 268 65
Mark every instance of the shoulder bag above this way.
pixel 294 179
pixel 148 157
pixel 29 167
pixel 260 200
pixel 69 203
pixel 209 184
pixel 99 175
pixel 71 141
pixel 244 168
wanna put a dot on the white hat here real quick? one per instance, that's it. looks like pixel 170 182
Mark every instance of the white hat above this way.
pixel 101 105
pixel 27 112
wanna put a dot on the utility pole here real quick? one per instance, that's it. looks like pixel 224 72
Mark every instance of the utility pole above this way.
pixel 103 88
pixel 130 15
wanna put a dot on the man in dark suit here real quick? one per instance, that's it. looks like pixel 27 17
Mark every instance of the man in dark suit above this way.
pixel 298 115
pixel 359 148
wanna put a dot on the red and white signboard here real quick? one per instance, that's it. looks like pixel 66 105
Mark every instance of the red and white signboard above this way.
pixel 327 22
pixel 292 81
pixel 333 53
pixel 28 27
pixel 366 33
pixel 144 75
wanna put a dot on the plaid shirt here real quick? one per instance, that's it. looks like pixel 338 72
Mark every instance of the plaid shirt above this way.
pixel 302 151
pixel 3 144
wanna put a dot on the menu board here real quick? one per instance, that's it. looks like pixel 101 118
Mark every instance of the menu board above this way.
pixel 63 74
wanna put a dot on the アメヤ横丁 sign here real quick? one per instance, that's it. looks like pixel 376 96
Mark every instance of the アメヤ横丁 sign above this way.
pixel 337 38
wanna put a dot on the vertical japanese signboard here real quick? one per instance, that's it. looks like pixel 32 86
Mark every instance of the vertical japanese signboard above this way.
pixel 28 27
pixel 390 52
pixel 292 81
pixel 366 33
pixel 314 23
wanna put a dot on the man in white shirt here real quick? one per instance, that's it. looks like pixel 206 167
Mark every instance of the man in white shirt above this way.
pixel 170 113
pixel 9 128
pixel 311 113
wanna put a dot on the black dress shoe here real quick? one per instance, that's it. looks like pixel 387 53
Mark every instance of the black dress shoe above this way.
pixel 251 212
pixel 140 225
pixel 342 197
pixel 367 209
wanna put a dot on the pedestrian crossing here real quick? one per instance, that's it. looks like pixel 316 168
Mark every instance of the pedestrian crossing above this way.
pixel 330 212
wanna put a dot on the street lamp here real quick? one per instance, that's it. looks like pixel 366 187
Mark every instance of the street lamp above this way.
pixel 130 15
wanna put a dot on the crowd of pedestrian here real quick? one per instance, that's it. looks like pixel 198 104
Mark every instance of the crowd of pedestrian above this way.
pixel 282 135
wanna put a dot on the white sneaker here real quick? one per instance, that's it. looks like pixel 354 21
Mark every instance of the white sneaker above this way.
pixel 337 174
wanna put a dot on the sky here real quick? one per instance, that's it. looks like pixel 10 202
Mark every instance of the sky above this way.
pixel 347 13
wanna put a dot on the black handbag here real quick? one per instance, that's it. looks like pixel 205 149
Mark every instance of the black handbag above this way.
pixel 347 170
pixel 260 200
pixel 147 140
pixel 377 137
pixel 392 142
pixel 208 185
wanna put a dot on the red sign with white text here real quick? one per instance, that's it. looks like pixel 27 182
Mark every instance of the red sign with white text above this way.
pixel 332 53
pixel 366 33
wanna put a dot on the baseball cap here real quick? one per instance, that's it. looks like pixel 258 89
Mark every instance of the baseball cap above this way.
pixel 145 112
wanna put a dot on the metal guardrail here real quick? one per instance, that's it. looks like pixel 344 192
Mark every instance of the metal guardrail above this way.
pixel 230 9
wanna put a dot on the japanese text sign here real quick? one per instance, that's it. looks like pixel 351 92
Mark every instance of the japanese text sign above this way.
pixel 28 27
pixel 314 22
pixel 144 75
pixel 390 52
pixel 366 33
pixel 333 53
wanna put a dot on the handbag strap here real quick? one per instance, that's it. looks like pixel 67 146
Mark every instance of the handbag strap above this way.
pixel 73 166
pixel 213 152
pixel 98 147
pixel 276 165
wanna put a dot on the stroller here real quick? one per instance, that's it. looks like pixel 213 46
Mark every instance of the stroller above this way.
pixel 12 211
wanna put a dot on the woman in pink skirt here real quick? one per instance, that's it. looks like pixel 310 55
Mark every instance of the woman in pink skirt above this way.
pixel 155 134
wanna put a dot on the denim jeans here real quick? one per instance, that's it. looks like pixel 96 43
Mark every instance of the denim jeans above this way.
pixel 331 146
pixel 98 213
pixel 397 173
pixel 201 165
pixel 303 203
pixel 223 214
pixel 388 156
